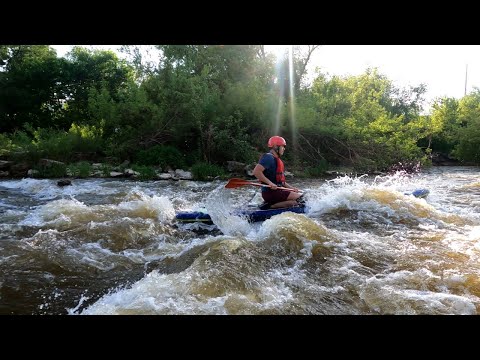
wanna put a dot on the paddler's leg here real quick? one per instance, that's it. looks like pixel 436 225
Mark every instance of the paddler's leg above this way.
pixel 283 198
pixel 284 204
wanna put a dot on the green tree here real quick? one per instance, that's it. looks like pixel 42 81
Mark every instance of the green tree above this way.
pixel 353 120
pixel 93 69
pixel 468 148
pixel 443 126
pixel 30 86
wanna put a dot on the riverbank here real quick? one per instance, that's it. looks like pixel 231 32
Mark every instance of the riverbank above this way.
pixel 52 169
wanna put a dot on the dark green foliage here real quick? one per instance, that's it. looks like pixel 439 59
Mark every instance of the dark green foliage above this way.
pixel 6 145
pixel 33 144
pixel 88 71
pixel 29 86
pixel 317 171
pixel 23 148
pixel 106 169
pixel 205 171
pixel 80 169
pixel 228 140
pixel 160 155
pixel 51 171
pixel 146 172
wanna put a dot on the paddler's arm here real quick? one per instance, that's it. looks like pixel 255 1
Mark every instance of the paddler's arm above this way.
pixel 258 173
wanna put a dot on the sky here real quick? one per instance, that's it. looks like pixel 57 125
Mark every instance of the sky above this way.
pixel 443 68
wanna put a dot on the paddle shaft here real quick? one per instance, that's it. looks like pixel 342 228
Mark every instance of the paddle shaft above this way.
pixel 278 187
pixel 234 183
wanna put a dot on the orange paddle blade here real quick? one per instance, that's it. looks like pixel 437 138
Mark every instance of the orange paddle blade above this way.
pixel 235 183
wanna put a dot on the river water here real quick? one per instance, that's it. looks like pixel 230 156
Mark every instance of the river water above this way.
pixel 364 246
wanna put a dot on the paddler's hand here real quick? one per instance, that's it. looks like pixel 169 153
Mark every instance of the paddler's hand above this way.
pixel 295 189
pixel 273 187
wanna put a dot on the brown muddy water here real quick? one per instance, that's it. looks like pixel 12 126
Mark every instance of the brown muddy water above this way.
pixel 106 246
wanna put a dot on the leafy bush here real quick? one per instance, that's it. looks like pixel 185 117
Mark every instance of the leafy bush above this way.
pixel 365 165
pixel 230 141
pixel 5 145
pixel 86 138
pixel 205 171
pixel 81 169
pixel 52 144
pixel 162 155
pixel 51 171
pixel 106 169
pixel 317 171
pixel 34 144
pixel 146 172
pixel 23 149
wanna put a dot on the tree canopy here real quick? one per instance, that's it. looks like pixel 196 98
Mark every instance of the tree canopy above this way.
pixel 215 103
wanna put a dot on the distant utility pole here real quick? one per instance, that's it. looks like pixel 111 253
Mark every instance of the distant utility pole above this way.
pixel 466 73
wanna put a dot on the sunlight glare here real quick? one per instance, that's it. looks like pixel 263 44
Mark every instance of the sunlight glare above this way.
pixel 277 50
pixel 284 52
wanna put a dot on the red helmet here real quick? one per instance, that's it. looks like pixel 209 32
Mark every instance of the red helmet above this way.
pixel 276 141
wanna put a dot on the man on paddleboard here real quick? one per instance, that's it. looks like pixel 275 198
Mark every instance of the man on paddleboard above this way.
pixel 271 171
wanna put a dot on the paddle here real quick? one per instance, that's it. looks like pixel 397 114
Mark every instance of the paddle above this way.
pixel 235 183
